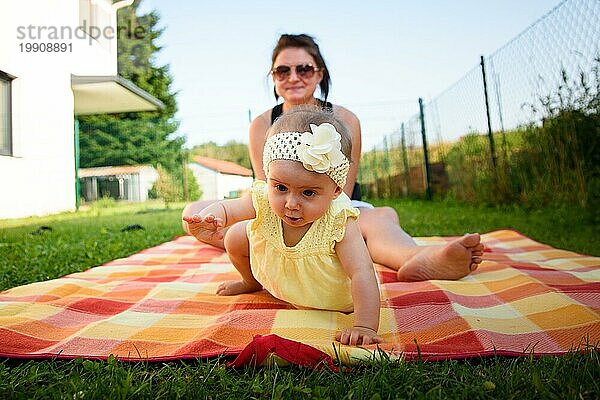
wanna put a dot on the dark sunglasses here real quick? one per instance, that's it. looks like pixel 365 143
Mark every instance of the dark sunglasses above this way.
pixel 304 71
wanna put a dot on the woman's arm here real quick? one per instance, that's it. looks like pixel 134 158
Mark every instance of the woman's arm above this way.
pixel 357 263
pixel 353 124
pixel 256 142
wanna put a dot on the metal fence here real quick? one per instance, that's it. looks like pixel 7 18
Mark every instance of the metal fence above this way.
pixel 502 93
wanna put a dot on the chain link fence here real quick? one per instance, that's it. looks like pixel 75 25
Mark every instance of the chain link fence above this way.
pixel 484 135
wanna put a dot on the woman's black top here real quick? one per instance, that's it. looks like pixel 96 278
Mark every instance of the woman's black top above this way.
pixel 278 109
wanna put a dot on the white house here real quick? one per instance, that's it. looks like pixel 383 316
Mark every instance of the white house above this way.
pixel 58 59
pixel 127 182
pixel 220 179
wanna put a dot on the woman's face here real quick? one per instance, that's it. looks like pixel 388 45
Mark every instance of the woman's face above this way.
pixel 295 89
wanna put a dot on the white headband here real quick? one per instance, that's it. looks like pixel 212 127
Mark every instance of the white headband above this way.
pixel 319 151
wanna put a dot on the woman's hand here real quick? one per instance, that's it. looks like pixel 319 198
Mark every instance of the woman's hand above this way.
pixel 358 335
pixel 205 229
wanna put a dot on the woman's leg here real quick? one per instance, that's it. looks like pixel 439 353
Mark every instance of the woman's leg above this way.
pixel 194 208
pixel 389 245
pixel 238 250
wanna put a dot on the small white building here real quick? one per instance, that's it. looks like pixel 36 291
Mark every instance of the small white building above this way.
pixel 127 182
pixel 58 59
pixel 220 179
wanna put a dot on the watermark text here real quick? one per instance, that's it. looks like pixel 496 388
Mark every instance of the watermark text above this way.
pixel 83 31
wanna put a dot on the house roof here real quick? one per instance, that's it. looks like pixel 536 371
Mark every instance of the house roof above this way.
pixel 110 171
pixel 223 167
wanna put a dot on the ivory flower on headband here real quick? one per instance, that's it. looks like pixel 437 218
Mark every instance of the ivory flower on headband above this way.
pixel 320 150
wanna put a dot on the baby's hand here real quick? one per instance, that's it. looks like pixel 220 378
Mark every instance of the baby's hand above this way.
pixel 208 228
pixel 358 335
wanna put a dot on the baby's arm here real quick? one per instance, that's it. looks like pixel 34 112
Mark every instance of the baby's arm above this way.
pixel 355 258
pixel 208 224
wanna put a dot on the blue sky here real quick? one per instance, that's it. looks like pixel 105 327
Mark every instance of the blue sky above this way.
pixel 382 55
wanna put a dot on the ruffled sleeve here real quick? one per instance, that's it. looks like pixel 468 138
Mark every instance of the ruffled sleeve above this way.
pixel 259 200
pixel 341 210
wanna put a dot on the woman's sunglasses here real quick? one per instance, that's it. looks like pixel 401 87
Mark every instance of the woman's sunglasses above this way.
pixel 304 71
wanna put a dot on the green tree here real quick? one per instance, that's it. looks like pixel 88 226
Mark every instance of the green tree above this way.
pixel 165 187
pixel 144 137
pixel 194 191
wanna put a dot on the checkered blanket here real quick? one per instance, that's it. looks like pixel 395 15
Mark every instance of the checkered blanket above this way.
pixel 159 304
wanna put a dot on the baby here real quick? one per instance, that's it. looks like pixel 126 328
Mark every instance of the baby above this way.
pixel 297 235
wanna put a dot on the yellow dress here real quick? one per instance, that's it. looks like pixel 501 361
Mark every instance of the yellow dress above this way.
pixel 309 274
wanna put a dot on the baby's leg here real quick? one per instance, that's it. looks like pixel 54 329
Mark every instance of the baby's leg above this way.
pixel 238 250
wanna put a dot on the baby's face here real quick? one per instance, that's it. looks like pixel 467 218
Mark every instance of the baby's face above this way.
pixel 299 196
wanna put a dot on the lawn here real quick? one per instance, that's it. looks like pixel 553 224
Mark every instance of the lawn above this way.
pixel 75 242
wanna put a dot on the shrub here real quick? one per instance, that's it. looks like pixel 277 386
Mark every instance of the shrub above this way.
pixel 557 163
pixel 561 158
pixel 165 187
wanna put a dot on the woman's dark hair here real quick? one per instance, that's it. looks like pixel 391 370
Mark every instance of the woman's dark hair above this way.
pixel 307 43
pixel 299 119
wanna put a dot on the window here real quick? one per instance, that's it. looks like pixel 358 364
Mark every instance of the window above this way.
pixel 5 114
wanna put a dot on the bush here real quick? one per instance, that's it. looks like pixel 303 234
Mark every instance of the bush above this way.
pixel 194 192
pixel 104 202
pixel 557 163
pixel 560 162
pixel 469 169
pixel 165 187
pixel 555 166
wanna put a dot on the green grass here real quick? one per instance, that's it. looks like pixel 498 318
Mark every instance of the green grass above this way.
pixel 79 241
pixel 83 240
pixel 568 377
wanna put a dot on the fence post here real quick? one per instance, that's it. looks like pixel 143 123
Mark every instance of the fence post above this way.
pixel 489 123
pixel 376 167
pixel 386 167
pixel 375 170
pixel 425 152
pixel 405 163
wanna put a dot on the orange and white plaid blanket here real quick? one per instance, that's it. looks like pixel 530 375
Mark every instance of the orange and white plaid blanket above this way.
pixel 159 304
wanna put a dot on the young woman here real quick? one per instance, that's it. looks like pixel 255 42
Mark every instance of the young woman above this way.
pixel 297 69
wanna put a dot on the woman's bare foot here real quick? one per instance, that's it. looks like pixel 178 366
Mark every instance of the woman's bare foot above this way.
pixel 232 288
pixel 451 261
